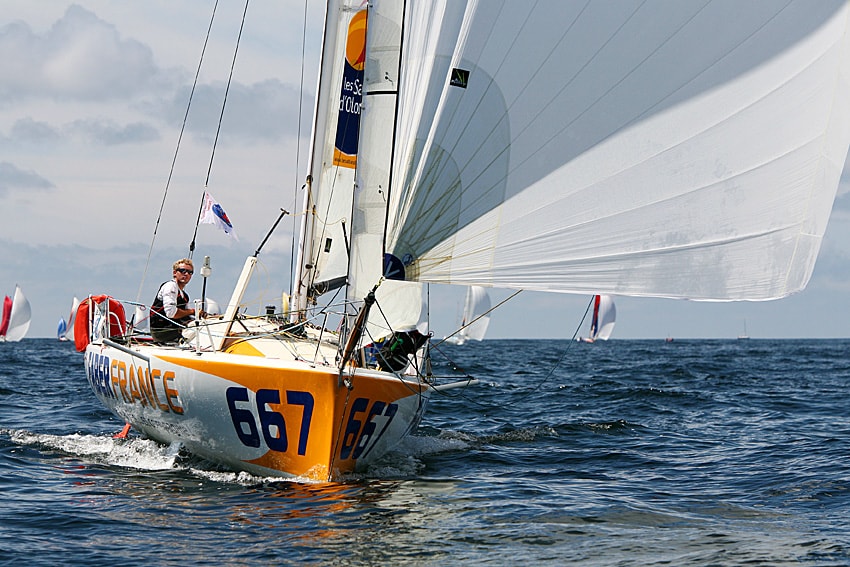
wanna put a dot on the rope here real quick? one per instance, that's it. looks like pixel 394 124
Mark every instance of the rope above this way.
pixel 218 128
pixel 462 327
pixel 541 382
pixel 298 148
pixel 176 151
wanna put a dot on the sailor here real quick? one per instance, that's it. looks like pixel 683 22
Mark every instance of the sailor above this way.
pixel 170 312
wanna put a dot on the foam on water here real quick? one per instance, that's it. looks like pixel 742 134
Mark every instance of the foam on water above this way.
pixel 136 453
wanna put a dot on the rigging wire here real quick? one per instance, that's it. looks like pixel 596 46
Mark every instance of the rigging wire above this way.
pixel 462 327
pixel 218 128
pixel 176 151
pixel 545 378
pixel 298 149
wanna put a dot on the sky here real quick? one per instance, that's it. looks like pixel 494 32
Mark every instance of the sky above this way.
pixel 93 99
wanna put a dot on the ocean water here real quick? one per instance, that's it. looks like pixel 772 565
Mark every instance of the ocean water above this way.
pixel 701 452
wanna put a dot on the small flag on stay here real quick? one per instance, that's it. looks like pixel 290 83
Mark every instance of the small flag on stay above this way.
pixel 213 213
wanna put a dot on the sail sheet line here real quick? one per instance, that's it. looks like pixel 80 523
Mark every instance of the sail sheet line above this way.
pixel 176 152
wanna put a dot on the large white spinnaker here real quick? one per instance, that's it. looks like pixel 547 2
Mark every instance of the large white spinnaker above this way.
pixel 671 149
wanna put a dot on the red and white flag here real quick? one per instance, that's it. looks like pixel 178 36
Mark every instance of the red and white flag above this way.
pixel 213 213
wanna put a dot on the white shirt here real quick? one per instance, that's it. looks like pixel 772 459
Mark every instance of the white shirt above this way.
pixel 168 294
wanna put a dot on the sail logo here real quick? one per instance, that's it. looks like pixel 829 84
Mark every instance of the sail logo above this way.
pixel 459 78
pixel 351 93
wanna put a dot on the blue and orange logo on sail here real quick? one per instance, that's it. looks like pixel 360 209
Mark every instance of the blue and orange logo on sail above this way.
pixel 351 94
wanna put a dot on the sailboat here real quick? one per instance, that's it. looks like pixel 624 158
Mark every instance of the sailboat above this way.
pixel 476 316
pixel 641 149
pixel 603 320
pixel 72 317
pixel 65 330
pixel 16 317
pixel 744 336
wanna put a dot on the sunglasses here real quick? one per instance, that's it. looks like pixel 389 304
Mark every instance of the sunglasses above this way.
pixel 184 271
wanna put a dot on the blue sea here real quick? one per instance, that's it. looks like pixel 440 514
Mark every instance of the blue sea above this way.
pixel 695 452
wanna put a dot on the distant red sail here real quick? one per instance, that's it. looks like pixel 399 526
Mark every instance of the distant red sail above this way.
pixel 7 311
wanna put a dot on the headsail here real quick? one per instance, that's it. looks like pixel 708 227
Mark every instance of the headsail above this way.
pixel 640 153
pixel 7 311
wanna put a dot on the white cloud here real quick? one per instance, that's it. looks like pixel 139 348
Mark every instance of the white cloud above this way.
pixel 13 179
pixel 842 202
pixel 107 132
pixel 29 131
pixel 80 57
pixel 257 113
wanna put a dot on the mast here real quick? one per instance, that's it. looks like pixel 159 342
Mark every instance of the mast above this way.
pixel 303 263
pixel 324 248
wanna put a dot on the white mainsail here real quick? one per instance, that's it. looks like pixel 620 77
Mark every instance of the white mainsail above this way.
pixel 627 148
pixel 343 235
pixel 323 253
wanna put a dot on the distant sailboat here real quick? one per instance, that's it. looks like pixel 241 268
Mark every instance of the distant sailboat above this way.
pixel 16 317
pixel 604 317
pixel 141 321
pixel 65 331
pixel 72 317
pixel 476 317
pixel 745 335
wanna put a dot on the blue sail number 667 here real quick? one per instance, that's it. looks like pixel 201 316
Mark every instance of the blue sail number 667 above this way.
pixel 272 423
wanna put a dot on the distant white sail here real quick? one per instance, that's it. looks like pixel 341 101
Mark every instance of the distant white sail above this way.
pixel 604 317
pixel 475 313
pixel 69 333
pixel 19 317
